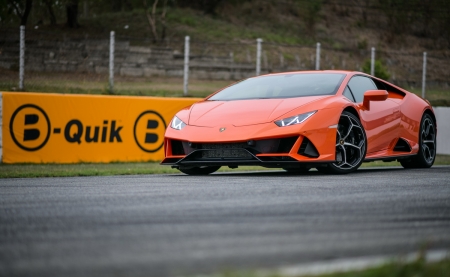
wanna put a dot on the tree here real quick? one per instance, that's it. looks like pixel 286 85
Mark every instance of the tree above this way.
pixel 21 9
pixel 51 13
pixel 380 70
pixel 120 5
pixel 5 12
pixel 72 13
pixel 207 6
pixel 152 19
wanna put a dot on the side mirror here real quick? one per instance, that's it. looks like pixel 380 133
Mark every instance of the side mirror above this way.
pixel 374 95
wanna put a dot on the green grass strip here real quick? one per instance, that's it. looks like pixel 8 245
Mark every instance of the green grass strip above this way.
pixel 417 268
pixel 108 169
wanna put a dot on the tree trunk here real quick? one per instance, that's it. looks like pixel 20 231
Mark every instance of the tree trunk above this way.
pixel 72 14
pixel 51 13
pixel 116 5
pixel 151 18
pixel 26 13
pixel 163 21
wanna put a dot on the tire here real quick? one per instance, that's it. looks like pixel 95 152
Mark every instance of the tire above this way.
pixel 202 170
pixel 351 146
pixel 427 145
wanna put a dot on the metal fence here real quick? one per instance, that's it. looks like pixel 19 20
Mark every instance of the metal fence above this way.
pixel 28 56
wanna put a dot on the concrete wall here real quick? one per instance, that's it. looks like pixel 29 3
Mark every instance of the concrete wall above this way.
pixel 1 127
pixel 209 60
pixel 443 132
pixel 91 56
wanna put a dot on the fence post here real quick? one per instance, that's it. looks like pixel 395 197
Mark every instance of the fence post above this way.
pixel 258 56
pixel 111 62
pixel 186 65
pixel 424 73
pixel 22 57
pixel 231 64
pixel 372 62
pixel 318 56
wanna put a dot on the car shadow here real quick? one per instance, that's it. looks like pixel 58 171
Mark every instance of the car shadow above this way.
pixel 283 173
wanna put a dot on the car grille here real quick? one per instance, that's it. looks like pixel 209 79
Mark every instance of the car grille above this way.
pixel 225 150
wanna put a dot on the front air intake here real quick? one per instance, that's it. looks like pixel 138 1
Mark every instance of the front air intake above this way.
pixel 308 149
pixel 402 146
pixel 286 144
pixel 177 147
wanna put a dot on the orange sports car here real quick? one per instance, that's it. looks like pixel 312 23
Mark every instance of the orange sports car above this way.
pixel 328 120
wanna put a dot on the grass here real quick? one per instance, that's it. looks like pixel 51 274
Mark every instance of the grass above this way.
pixel 235 25
pixel 417 268
pixel 67 83
pixel 108 169
pixel 199 26
pixel 440 160
pixel 437 97
pixel 92 169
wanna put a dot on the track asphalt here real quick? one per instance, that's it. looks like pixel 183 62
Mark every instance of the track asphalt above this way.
pixel 178 225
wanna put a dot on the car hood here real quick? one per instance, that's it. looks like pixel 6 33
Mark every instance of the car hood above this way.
pixel 244 112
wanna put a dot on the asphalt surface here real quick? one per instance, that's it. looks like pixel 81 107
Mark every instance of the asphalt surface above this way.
pixel 177 225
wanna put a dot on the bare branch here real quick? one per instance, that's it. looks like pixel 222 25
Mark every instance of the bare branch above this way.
pixel 154 8
pixel 51 13
pixel 16 8
pixel 151 18
pixel 26 12
pixel 163 21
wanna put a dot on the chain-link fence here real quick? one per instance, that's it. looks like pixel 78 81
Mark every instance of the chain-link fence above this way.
pixel 78 62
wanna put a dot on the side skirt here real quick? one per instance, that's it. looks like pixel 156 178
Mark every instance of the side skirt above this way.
pixel 390 158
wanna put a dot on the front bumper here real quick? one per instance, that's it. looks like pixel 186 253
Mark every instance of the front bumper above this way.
pixel 277 152
pixel 266 144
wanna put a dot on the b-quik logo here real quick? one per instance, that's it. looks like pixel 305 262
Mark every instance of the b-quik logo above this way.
pixel 30 130
pixel 149 130
pixel 29 127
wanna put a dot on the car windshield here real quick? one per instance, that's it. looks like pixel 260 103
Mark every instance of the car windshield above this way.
pixel 282 86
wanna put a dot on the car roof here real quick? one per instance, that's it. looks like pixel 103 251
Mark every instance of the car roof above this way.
pixel 347 72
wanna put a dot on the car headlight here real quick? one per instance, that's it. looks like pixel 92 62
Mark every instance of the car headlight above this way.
pixel 294 119
pixel 177 123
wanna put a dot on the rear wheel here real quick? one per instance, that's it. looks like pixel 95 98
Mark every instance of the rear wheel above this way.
pixel 427 145
pixel 201 170
pixel 350 146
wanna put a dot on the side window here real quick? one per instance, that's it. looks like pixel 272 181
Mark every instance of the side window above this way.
pixel 348 94
pixel 380 85
pixel 359 85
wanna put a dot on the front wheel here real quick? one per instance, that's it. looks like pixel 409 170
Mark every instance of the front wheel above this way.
pixel 201 170
pixel 350 146
pixel 427 145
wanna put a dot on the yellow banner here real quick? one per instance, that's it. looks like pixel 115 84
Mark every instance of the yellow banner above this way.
pixel 56 128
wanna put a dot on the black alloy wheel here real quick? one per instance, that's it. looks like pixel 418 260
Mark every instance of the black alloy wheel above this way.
pixel 427 145
pixel 351 146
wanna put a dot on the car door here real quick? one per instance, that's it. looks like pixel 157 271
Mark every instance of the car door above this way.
pixel 380 122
